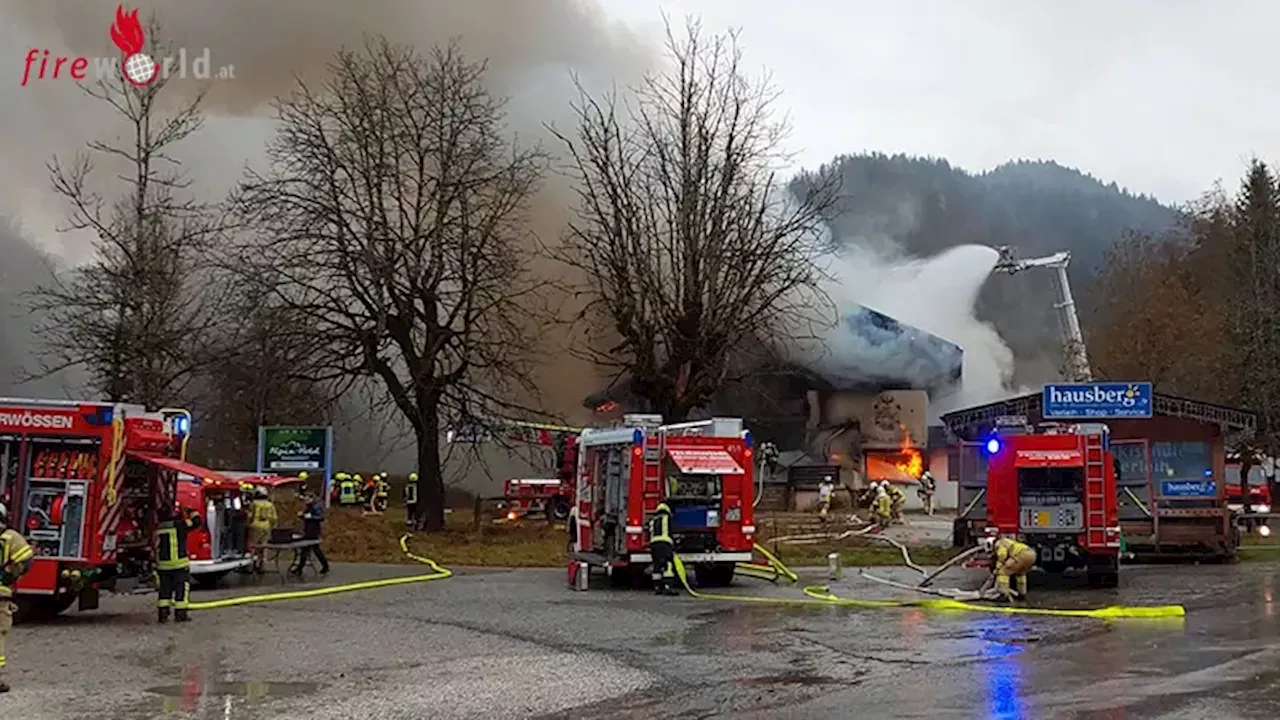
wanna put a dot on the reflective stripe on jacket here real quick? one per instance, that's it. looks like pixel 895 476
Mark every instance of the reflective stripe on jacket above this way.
pixel 411 493
pixel 660 528
pixel 171 545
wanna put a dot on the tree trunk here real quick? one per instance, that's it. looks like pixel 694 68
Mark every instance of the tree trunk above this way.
pixel 430 478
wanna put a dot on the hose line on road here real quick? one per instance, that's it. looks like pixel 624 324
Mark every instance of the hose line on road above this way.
pixel 771 569
pixel 821 596
pixel 437 573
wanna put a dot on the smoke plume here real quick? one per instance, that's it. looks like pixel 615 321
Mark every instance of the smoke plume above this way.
pixel 936 295
pixel 533 47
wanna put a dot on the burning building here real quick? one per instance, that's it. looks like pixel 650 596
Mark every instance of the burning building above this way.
pixel 863 410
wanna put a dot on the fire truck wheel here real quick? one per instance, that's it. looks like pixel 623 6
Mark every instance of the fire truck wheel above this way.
pixel 557 509
pixel 714 574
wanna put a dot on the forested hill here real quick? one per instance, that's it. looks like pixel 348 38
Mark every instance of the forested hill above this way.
pixel 1039 207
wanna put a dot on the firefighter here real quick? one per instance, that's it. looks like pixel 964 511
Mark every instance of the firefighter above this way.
pixel 411 498
pixel 368 490
pixel 173 564
pixel 897 499
pixel 769 457
pixel 348 490
pixel 382 497
pixel 335 491
pixel 825 490
pixel 358 483
pixel 927 487
pixel 1010 558
pixel 663 550
pixel 15 559
pixel 881 506
pixel 302 486
pixel 262 518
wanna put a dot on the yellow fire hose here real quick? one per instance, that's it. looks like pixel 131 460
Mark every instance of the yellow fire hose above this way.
pixel 820 595
pixel 438 573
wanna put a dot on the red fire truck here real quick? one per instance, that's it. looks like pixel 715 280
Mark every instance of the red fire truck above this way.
pixel 522 497
pixel 1057 488
pixel 220 545
pixel 701 470
pixel 83 481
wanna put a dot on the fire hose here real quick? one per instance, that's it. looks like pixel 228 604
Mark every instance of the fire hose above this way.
pixel 437 573
pixel 821 595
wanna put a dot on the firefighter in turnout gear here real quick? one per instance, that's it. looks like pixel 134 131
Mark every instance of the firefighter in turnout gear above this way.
pixel 882 506
pixel 382 494
pixel 663 550
pixel 348 490
pixel 1010 559
pixel 411 498
pixel 173 565
pixel 15 559
pixel 897 500
pixel 262 517
pixel 927 487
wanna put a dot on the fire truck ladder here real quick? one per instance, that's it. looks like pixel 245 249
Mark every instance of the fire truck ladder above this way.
pixel 1095 490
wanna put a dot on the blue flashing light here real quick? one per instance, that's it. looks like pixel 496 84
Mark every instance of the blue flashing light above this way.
pixel 1208 472
pixel 637 437
pixel 993 446
pixel 746 438
pixel 181 425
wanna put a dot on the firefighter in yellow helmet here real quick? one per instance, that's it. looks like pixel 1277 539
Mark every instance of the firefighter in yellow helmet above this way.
pixel 897 500
pixel 662 549
pixel 348 489
pixel 262 517
pixel 1010 559
pixel 382 493
pixel 411 498
pixel 881 506
pixel 15 560
pixel 302 486
pixel 173 565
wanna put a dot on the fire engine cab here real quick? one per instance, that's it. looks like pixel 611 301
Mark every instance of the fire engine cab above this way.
pixel 701 470
pixel 83 481
pixel 1057 489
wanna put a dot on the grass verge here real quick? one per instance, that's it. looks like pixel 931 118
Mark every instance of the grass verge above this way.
pixel 351 536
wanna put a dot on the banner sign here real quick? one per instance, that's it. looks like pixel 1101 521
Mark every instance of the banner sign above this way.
pixel 287 450
pixel 1097 401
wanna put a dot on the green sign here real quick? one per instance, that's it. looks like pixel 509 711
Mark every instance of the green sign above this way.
pixel 294 449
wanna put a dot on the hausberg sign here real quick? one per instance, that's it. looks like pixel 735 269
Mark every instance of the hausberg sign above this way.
pixel 1097 401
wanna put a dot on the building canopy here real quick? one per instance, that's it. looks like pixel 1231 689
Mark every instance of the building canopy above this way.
pixel 974 423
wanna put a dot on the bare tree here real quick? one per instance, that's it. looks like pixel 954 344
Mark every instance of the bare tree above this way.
pixel 394 217
pixel 133 315
pixel 690 245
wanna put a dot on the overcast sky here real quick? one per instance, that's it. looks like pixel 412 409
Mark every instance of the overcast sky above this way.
pixel 1162 96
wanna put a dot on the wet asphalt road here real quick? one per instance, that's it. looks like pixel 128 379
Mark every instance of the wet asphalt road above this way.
pixel 499 644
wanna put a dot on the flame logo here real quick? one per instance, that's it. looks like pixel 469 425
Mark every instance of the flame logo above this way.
pixel 126 32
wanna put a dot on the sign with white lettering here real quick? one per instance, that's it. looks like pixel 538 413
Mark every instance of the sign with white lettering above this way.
pixel 1083 401
pixel 28 421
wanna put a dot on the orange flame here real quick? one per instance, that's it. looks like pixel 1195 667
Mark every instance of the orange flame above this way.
pixel 912 462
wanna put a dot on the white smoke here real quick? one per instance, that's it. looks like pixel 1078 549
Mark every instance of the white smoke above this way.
pixel 936 295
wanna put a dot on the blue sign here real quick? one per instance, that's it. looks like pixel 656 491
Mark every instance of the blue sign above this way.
pixel 1097 401
pixel 1188 488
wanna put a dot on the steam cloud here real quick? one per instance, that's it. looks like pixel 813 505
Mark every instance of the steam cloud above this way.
pixel 532 48
pixel 936 295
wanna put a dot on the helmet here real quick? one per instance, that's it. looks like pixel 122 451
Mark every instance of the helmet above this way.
pixel 662 508
pixel 413 477
pixel 987 544
pixel 261 492
pixel 357 477
pixel 302 475
pixel 4 514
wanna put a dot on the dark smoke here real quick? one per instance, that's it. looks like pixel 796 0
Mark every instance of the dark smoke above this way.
pixel 533 47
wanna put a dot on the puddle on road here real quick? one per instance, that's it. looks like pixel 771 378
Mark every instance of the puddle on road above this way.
pixel 246 690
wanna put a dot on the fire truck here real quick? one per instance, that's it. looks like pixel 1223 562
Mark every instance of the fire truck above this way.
pixel 522 497
pixel 1057 489
pixel 83 482
pixel 220 545
pixel 701 470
